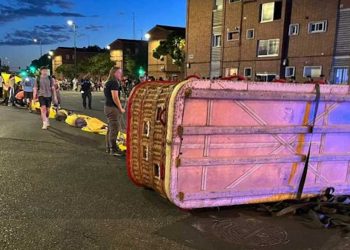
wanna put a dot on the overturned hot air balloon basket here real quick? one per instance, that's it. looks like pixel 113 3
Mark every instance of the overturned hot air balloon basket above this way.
pixel 202 143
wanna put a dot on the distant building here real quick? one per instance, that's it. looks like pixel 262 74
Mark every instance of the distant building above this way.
pixel 263 38
pixel 65 56
pixel 123 49
pixel 163 68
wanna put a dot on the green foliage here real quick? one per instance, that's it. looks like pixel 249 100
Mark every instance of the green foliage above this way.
pixel 41 62
pixel 99 65
pixel 133 64
pixel 96 66
pixel 67 70
pixel 174 47
pixel 130 66
pixel 5 68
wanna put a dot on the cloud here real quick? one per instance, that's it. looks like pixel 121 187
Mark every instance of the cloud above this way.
pixel 20 9
pixel 37 3
pixel 92 27
pixel 47 34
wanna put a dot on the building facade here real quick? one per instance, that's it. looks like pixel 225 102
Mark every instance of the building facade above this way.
pixel 65 56
pixel 121 50
pixel 260 39
pixel 162 68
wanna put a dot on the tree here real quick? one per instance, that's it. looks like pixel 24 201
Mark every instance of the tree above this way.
pixel 43 61
pixel 67 70
pixel 133 65
pixel 99 65
pixel 5 68
pixel 173 46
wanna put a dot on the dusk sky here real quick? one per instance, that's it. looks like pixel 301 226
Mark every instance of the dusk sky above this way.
pixel 99 22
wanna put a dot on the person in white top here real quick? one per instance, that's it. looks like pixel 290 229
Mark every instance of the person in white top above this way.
pixel 75 84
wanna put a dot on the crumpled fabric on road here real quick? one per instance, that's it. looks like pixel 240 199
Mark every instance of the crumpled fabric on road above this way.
pixel 71 119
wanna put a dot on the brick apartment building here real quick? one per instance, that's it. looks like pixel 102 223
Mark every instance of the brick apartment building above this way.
pixel 65 56
pixel 164 68
pixel 122 49
pixel 264 38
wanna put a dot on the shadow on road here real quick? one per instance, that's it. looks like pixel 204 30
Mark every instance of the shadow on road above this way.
pixel 72 138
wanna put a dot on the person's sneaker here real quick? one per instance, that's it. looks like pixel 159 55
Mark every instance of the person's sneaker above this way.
pixel 115 153
pixel 48 123
pixel 44 126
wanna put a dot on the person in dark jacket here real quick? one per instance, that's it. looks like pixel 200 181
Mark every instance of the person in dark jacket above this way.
pixel 113 109
pixel 86 92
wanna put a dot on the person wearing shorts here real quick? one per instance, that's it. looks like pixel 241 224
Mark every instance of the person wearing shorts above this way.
pixel 44 90
pixel 27 86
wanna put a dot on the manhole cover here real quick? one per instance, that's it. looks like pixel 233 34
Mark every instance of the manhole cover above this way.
pixel 244 231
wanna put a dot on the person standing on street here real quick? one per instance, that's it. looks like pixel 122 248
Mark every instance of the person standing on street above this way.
pixel 12 83
pixel 5 93
pixel 75 84
pixel 27 86
pixel 113 109
pixel 1 85
pixel 44 90
pixel 57 87
pixel 86 92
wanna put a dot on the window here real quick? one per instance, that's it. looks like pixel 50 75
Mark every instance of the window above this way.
pixel 219 4
pixel 231 72
pixel 250 34
pixel 67 57
pixel 146 128
pixel 145 152
pixel 270 11
pixel 341 75
pixel 248 72
pixel 290 71
pixel 232 35
pixel 294 29
pixel 312 71
pixel 268 47
pixel 217 41
pixel 265 77
pixel 156 171
pixel 160 117
pixel 318 27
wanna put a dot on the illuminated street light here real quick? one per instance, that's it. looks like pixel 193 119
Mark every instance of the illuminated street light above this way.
pixel 147 36
pixel 108 47
pixel 51 53
pixel 70 22
pixel 49 57
pixel 41 47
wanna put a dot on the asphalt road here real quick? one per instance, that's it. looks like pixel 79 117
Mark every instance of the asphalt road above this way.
pixel 59 190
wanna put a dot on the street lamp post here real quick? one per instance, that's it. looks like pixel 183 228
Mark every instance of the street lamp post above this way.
pixel 133 22
pixel 41 45
pixel 51 56
pixel 74 26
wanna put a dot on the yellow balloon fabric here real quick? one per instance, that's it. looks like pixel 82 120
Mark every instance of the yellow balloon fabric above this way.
pixel 52 113
pixel 73 117
pixel 18 79
pixel 6 77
